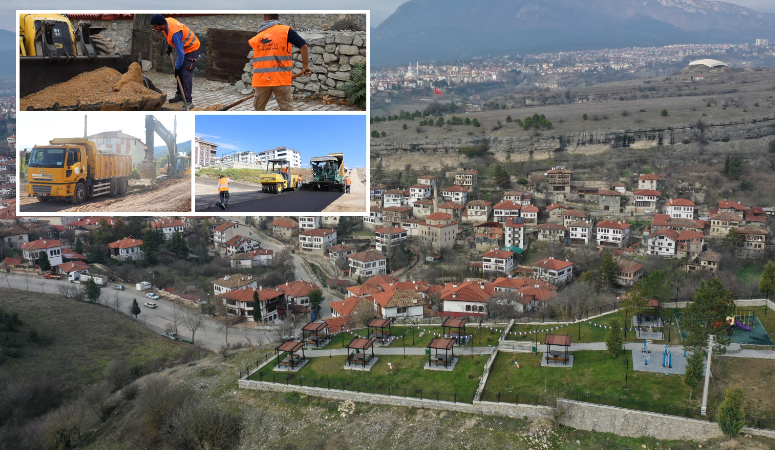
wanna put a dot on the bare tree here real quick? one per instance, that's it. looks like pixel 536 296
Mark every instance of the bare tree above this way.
pixel 192 319
pixel 287 330
pixel 504 305
pixel 225 350
pixel 117 302
pixel 226 323
pixel 97 398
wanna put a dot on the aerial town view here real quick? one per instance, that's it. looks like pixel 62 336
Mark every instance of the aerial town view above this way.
pixel 558 236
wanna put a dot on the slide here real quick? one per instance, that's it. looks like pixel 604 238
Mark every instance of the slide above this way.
pixel 740 325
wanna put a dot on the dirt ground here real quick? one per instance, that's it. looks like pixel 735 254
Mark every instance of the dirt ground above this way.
pixel 167 196
pixel 357 201
pixel 756 377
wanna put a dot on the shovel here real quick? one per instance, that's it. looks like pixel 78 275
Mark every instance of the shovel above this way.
pixel 180 85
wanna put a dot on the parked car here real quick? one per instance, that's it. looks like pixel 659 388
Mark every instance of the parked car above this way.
pixel 119 287
pixel 149 305
pixel 152 296
pixel 171 335
pixel 53 276
pixel 648 211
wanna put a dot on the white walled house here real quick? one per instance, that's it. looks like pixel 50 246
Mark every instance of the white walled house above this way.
pixel 374 219
pixel 579 232
pixel 646 199
pixel 233 282
pixel 367 264
pixel 680 208
pixel 649 181
pixel 389 237
pixel 553 271
pixel 126 249
pixel 498 262
pixel 395 197
pixel 240 303
pixel 419 192
pixel 469 298
pixel 170 227
pixel 253 258
pixel 241 244
pixel 613 233
pixel 309 222
pixel 455 193
pixel 339 252
pixel 663 243
pixel 317 240
pixel 31 251
pixel 514 234
pixel 427 179
pixel 506 210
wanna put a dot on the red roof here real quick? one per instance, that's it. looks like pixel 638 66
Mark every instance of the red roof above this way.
pixel 168 223
pixel 41 244
pixel 438 216
pixel 609 193
pixel 509 205
pixel 259 252
pixel 552 264
pixel 70 254
pixel 393 230
pixel 685 235
pixel 554 206
pixel 12 261
pixel 551 226
pixel 726 216
pixel 345 307
pixel 575 213
pixel 297 288
pixel 613 225
pixel 127 242
pixel 451 205
pixel 335 324
pixel 366 256
pixel 319 232
pixel 246 294
pixel 224 226
pixel 72 266
pixel 237 240
pixel 680 202
pixel 511 224
pixel 500 254
pixel 455 188
pixel 469 291
pixel 479 203
pixel 530 209
pixel 340 248
pixel 284 222
pixel 733 205
pixel 650 176
pixel 648 193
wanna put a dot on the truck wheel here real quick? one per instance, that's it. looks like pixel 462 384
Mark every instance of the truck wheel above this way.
pixel 79 194
pixel 43 199
pixel 123 186
pixel 114 188
pixel 279 188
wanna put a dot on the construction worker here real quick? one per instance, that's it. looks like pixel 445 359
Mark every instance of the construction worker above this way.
pixel 273 63
pixel 347 182
pixel 285 173
pixel 186 45
pixel 301 180
pixel 223 190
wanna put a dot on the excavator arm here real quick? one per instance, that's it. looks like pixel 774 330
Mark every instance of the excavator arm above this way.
pixel 147 168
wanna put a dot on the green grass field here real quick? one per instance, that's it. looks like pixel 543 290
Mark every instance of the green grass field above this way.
pixel 594 373
pixel 749 273
pixel 407 379
pixel 482 337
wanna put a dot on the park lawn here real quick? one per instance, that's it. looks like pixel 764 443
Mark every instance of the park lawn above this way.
pixel 749 273
pixel 483 337
pixel 408 378
pixel 672 333
pixel 593 372
pixel 589 333
pixel 342 339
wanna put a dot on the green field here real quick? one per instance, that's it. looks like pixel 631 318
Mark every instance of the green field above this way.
pixel 251 175
pixel 408 379
pixel 595 376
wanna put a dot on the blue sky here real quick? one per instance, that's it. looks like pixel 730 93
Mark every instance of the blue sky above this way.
pixel 310 135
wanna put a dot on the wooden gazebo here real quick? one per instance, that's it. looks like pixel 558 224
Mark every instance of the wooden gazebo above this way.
pixel 446 344
pixel 356 351
pixel 459 326
pixel 379 326
pixel 558 340
pixel 315 333
pixel 654 310
pixel 292 359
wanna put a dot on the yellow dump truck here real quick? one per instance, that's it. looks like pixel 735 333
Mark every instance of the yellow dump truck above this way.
pixel 278 177
pixel 74 169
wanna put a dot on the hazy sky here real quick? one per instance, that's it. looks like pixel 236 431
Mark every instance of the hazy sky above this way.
pixel 380 9
pixel 310 135
pixel 70 124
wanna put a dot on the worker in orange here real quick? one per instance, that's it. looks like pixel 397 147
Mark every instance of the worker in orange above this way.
pixel 285 173
pixel 273 62
pixel 301 180
pixel 223 190
pixel 347 182
pixel 186 45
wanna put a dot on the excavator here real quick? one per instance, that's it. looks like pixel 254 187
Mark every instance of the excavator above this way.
pixel 147 167
pixel 52 51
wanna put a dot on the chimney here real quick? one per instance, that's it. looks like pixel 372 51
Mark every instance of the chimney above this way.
pixel 454 285
pixel 260 288
pixel 454 296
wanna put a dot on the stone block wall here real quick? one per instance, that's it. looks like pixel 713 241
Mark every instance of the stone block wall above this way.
pixel 119 31
pixel 332 55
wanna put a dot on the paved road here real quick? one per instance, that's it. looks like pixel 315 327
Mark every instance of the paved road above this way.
pixel 209 335
pixel 249 198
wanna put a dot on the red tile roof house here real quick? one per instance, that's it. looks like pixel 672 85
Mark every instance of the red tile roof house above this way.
pixel 169 227
pixel 477 211
pixel 31 250
pixel 551 232
pixel 456 194
pixel 366 264
pixel 297 292
pixel 240 244
pixel 127 249
pixel 284 228
pixel 73 266
pixel 572 215
pixel 629 273
pixel 649 181
pixel 253 258
pixel 340 252
pixel 646 200
pixel 680 208
pixel 388 237
pixel 468 298
pixel 506 210
pixel 317 240
pixel 532 294
pixel 222 232
pixel 555 212
pixel 553 271
pixel 498 262
pixel 239 303
pixel 530 216
pixel 579 232
pixel 612 233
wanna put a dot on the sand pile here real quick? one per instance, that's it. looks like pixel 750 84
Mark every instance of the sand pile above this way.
pixel 93 91
pixel 134 74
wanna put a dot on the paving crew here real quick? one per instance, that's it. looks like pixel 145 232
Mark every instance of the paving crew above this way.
pixel 285 175
pixel 223 190
pixel 273 63
pixel 300 181
pixel 347 182
pixel 186 45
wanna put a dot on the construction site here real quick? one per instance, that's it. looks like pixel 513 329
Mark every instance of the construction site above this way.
pixel 116 62
pixel 106 171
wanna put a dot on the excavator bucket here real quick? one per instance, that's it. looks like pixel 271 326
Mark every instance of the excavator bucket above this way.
pixel 146 170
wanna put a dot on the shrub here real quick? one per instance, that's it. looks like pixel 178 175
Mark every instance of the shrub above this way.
pixel 355 88
pixel 663 113
pixel 584 116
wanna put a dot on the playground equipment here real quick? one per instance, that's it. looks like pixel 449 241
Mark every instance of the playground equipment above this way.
pixel 744 319
pixel 667 358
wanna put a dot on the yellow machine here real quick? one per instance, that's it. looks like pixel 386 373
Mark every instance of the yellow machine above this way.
pixel 73 168
pixel 52 51
pixel 183 166
pixel 327 173
pixel 277 181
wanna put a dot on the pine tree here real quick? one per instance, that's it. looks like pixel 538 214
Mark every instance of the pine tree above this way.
pixel 78 246
pixel 707 315
pixel 93 291
pixel 615 339
pixel 315 299
pixel 767 281
pixel 135 309
pixel 609 270
pixel 43 261
pixel 694 369
pixel 256 307
pixel 731 415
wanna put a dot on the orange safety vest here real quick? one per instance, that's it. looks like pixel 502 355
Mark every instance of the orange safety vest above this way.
pixel 190 41
pixel 272 62
pixel 223 185
pixel 347 181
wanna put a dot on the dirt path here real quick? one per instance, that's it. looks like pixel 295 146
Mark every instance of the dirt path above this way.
pixel 168 196
pixel 357 201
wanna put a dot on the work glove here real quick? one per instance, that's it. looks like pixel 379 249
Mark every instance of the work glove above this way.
pixel 179 73
pixel 169 50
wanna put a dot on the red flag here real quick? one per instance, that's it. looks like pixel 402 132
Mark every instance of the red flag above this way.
pixel 436 91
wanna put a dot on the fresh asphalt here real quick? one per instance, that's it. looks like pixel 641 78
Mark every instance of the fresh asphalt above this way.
pixel 249 198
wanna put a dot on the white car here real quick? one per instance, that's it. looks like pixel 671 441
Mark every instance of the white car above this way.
pixel 119 287
pixel 151 305
pixel 152 296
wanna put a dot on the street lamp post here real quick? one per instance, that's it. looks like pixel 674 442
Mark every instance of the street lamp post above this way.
pixel 626 363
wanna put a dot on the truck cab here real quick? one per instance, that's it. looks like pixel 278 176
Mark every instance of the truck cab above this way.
pixel 53 170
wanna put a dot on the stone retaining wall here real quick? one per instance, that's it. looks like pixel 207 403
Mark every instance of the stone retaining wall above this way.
pixel 119 31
